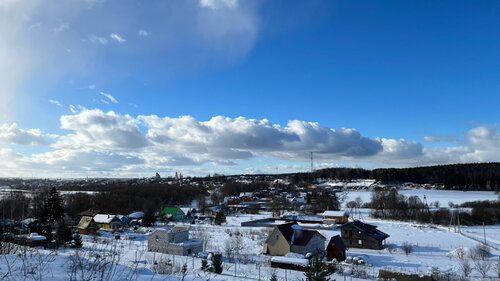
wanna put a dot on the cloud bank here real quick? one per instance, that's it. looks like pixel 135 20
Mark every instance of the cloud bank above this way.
pixel 107 143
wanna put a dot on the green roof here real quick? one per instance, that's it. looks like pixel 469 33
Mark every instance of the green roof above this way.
pixel 170 211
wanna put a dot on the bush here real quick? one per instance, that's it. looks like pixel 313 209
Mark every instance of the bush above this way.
pixel 407 248
pixel 217 263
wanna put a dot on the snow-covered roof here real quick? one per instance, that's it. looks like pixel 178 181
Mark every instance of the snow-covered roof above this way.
pixel 35 237
pixel 136 215
pixel 296 261
pixel 334 213
pixel 102 218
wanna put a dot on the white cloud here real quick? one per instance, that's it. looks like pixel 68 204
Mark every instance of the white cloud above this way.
pixel 92 87
pixel 218 4
pixel 144 33
pixel 109 97
pixel 99 143
pixel 117 37
pixel 99 130
pixel 12 134
pixel 61 27
pixel 55 102
pixel 441 138
pixel 97 39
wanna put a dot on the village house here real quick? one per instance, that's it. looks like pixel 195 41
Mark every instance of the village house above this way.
pixel 173 213
pixel 289 237
pixel 87 225
pixel 189 213
pixel 335 249
pixel 335 217
pixel 357 234
pixel 105 221
pixel 175 241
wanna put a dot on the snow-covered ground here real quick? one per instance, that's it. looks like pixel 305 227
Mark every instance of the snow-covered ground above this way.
pixel 242 249
pixel 443 196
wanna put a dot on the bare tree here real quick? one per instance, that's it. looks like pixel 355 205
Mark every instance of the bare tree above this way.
pixel 482 266
pixel 465 267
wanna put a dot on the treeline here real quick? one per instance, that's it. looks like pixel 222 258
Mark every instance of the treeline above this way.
pixel 114 199
pixel 476 176
pixel 389 204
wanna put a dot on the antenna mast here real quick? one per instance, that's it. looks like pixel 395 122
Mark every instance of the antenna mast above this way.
pixel 312 165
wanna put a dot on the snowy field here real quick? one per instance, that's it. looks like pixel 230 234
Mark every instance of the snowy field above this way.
pixel 242 248
pixel 443 196
pixel 433 247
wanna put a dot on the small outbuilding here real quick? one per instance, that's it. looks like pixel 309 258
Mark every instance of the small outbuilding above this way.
pixel 336 249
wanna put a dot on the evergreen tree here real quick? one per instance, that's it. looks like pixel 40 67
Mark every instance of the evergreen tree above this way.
pixel 63 234
pixel 77 241
pixel 47 232
pixel 273 277
pixel 315 270
pixel 52 209
pixel 149 217
pixel 220 218
pixel 217 263
pixel 204 265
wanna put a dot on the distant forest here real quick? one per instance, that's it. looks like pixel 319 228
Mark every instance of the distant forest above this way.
pixel 476 176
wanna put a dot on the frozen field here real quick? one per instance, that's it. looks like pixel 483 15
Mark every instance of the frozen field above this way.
pixel 443 196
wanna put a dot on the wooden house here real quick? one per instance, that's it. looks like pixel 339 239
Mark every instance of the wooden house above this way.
pixel 105 221
pixel 289 237
pixel 357 234
pixel 335 217
pixel 87 225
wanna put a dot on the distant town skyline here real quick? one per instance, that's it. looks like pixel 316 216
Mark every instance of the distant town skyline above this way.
pixel 106 88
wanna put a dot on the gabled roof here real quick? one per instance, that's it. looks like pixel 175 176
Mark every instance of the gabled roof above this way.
pixel 336 241
pixel 103 218
pixel 296 236
pixel 335 213
pixel 368 229
pixel 170 210
pixel 89 213
pixel 85 222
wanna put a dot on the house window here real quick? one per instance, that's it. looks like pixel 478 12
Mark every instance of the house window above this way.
pixel 277 237
pixel 350 232
pixel 350 242
pixel 360 242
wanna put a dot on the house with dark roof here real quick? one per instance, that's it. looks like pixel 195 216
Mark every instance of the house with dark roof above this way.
pixel 335 249
pixel 358 234
pixel 290 238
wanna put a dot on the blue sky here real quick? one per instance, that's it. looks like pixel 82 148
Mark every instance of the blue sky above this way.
pixel 114 88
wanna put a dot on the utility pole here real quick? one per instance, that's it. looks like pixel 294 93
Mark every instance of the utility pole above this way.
pixel 484 231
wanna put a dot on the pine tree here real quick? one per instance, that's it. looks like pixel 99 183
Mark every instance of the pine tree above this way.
pixel 52 209
pixel 204 265
pixel 219 218
pixel 77 241
pixel 315 270
pixel 217 263
pixel 273 277
pixel 63 234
